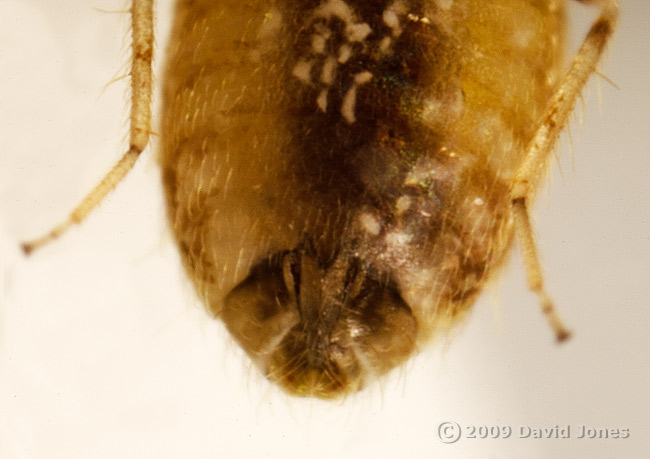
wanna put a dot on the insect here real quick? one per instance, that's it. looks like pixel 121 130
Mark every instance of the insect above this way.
pixel 343 176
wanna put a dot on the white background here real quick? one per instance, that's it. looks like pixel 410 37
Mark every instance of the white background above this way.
pixel 105 352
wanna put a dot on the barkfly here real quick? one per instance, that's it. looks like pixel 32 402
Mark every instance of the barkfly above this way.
pixel 343 176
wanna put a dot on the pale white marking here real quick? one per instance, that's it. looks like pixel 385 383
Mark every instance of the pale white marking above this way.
pixel 321 100
pixel 390 19
pixel 336 8
pixel 329 70
pixel 402 204
pixel 398 238
pixel 350 97
pixel 302 71
pixel 370 224
pixel 362 77
pixel 478 202
pixel 391 15
pixel 319 39
pixel 416 18
pixel 444 4
pixel 345 52
pixel 357 32
pixel 318 43
pixel 349 103
pixel 384 45
pixel 354 31
pixel 355 331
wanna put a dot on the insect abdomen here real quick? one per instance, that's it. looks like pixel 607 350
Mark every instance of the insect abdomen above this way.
pixel 366 142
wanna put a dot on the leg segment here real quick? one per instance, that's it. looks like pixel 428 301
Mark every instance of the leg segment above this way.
pixel 141 87
pixel 539 150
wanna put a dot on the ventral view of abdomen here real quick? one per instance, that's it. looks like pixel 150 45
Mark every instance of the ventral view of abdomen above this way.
pixel 343 176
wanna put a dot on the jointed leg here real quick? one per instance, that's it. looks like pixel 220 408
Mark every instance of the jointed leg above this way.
pixel 141 87
pixel 541 147
pixel 526 240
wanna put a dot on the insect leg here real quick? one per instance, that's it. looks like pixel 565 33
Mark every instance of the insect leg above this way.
pixel 141 88
pixel 539 150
